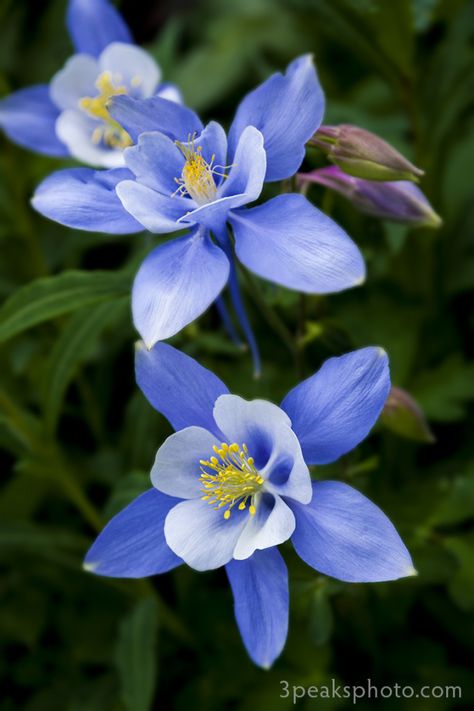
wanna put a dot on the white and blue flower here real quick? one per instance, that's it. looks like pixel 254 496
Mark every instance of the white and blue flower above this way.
pixel 70 116
pixel 233 483
pixel 198 178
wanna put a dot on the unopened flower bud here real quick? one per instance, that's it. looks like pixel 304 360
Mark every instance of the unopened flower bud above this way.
pixel 363 154
pixel 400 201
pixel 404 416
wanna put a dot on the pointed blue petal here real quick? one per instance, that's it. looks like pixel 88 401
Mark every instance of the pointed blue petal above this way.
pixel 155 114
pixel 175 284
pixel 289 241
pixel 287 109
pixel 93 24
pixel 261 602
pixel 177 386
pixel 28 118
pixel 343 534
pixel 335 409
pixel 85 199
pixel 133 545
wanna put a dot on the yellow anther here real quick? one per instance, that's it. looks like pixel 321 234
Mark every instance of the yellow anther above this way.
pixel 252 510
pixel 198 176
pixel 232 479
pixel 111 132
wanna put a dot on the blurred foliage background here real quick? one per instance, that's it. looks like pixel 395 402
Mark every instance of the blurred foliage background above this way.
pixel 78 438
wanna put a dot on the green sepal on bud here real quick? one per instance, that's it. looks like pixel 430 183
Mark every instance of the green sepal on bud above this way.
pixel 403 416
pixel 363 154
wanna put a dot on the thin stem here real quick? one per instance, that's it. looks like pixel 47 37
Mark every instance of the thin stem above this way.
pixel 269 314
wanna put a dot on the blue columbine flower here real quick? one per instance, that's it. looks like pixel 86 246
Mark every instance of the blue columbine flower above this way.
pixel 202 179
pixel 233 483
pixel 69 116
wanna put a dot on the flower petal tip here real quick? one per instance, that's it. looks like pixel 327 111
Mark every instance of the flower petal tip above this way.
pixel 381 352
pixel 90 567
pixel 360 280
pixel 412 572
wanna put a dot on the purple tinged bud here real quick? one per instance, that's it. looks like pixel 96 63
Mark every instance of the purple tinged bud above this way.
pixel 363 154
pixel 403 415
pixel 400 201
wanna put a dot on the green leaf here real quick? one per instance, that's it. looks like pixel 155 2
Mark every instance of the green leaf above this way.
pixel 136 656
pixel 54 296
pixel 73 347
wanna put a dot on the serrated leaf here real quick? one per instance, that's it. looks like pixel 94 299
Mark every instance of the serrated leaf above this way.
pixel 73 347
pixel 136 656
pixel 54 296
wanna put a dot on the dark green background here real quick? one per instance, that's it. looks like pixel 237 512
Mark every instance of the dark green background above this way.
pixel 79 438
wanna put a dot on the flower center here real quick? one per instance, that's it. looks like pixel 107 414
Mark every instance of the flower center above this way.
pixel 230 478
pixel 197 176
pixel 111 132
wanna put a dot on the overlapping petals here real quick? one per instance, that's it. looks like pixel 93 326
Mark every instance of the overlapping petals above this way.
pixel 333 527
pixel 76 197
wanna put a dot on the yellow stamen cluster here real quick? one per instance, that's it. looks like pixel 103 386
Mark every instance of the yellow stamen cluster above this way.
pixel 111 132
pixel 230 478
pixel 197 176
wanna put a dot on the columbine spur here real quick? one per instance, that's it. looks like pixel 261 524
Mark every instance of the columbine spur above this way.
pixel 199 178
pixel 69 116
pixel 233 483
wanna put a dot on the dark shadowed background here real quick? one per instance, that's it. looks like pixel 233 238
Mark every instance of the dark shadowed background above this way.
pixel 78 438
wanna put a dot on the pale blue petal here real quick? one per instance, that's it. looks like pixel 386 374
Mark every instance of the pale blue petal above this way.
pixel 157 162
pixel 272 524
pixel 131 66
pixel 175 284
pixel 201 536
pixel 75 81
pixel 289 241
pixel 85 199
pixel 75 129
pixel 177 470
pixel 178 386
pixel 247 173
pixel 335 409
pixel 28 118
pixel 261 602
pixel 344 535
pixel 93 24
pixel 133 545
pixel 170 92
pixel 154 114
pixel 156 212
pixel 287 109
pixel 266 430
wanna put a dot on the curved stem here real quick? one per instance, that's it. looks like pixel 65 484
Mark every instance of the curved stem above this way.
pixel 238 304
